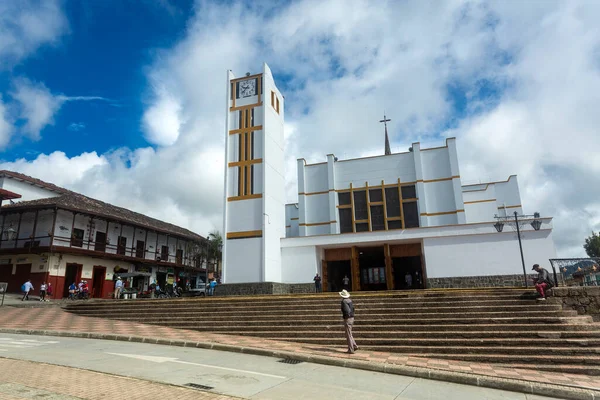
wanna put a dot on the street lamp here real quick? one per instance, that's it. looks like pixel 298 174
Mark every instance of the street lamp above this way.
pixel 10 233
pixel 536 224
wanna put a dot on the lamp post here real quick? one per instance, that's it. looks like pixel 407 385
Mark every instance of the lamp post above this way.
pixel 10 233
pixel 536 224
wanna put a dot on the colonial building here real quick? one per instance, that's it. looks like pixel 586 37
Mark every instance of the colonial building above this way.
pixel 386 222
pixel 55 235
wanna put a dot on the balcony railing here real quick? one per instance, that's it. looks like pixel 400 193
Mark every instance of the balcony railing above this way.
pixel 27 244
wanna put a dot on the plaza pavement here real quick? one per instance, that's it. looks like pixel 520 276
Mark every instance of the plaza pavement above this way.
pixel 54 321
pixel 30 380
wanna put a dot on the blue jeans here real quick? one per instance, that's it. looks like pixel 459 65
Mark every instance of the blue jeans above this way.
pixel 211 291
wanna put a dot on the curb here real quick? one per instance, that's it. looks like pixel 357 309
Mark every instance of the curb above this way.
pixel 560 391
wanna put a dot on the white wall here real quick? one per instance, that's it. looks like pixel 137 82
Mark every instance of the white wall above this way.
pixel 26 190
pixel 375 169
pixel 494 254
pixel 273 213
pixel 300 264
pixel 240 265
pixel 245 215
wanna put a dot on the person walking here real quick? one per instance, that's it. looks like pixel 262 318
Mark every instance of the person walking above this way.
pixel 542 282
pixel 27 287
pixel 43 289
pixel 118 288
pixel 49 291
pixel 211 288
pixel 317 280
pixel 72 291
pixel 348 314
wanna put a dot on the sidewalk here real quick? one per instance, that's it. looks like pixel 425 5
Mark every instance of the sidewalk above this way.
pixel 54 321
pixel 27 380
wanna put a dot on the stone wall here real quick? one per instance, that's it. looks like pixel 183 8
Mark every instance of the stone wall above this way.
pixel 478 281
pixel 242 289
pixel 584 299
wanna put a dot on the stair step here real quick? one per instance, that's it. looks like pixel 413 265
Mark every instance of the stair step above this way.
pixel 382 319
pixel 588 346
pixel 508 359
pixel 424 335
pixel 593 370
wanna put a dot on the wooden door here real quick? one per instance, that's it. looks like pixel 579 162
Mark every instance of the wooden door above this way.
pixel 100 244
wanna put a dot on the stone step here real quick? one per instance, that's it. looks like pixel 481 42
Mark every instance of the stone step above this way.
pixel 319 332
pixel 585 369
pixel 524 329
pixel 510 359
pixel 329 314
pixel 566 354
pixel 468 345
pixel 213 302
pixel 375 307
pixel 265 321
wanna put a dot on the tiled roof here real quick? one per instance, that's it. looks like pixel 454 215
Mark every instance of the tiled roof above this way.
pixel 78 202
pixel 34 181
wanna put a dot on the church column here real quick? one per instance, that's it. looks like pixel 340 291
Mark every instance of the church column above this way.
pixel 456 181
pixel 355 270
pixel 301 198
pixel 389 273
pixel 422 205
pixel 333 202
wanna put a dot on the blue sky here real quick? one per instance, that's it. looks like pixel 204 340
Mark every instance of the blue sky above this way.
pixel 103 55
pixel 123 100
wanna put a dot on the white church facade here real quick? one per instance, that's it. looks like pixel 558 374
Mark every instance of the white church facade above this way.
pixel 393 221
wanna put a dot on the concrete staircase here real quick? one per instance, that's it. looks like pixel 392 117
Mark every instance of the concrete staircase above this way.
pixel 505 326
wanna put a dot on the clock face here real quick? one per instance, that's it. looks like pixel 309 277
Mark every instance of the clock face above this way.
pixel 248 88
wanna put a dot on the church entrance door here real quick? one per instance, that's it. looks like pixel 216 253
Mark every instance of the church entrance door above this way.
pixel 371 261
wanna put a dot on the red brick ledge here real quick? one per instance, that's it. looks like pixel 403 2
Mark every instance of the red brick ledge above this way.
pixel 561 391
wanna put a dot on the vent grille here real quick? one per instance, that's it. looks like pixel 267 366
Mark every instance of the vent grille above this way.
pixel 200 387
pixel 290 361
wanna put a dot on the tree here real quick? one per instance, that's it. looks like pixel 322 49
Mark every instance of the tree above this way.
pixel 215 248
pixel 592 245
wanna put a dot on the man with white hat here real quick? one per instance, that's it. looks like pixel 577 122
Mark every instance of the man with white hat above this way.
pixel 348 314
pixel 118 288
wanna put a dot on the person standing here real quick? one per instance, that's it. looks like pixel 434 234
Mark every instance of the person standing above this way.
pixel 118 288
pixel 542 282
pixel 408 280
pixel 43 289
pixel 72 291
pixel 27 287
pixel 348 314
pixel 317 280
pixel 213 285
pixel 49 291
pixel 346 282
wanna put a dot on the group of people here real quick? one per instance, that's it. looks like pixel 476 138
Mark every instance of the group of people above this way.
pixel 79 291
pixel 45 290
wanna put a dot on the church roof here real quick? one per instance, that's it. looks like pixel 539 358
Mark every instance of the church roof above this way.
pixel 77 202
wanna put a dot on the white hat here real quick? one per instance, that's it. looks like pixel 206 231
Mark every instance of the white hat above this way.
pixel 118 277
pixel 344 293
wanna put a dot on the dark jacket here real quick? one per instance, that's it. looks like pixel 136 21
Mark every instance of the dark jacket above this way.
pixel 347 308
pixel 544 277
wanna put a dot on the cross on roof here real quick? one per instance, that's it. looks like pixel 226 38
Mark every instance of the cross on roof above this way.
pixel 385 120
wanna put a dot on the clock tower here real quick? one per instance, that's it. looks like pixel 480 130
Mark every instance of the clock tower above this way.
pixel 254 204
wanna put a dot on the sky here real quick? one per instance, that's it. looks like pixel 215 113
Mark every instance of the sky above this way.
pixel 123 100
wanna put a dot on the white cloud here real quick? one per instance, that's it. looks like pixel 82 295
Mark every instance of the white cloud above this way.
pixel 37 106
pixel 76 126
pixel 344 65
pixel 25 25
pixel 6 128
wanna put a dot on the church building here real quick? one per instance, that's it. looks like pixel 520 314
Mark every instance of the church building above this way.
pixel 395 221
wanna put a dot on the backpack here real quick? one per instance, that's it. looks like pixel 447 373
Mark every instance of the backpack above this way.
pixel 23 288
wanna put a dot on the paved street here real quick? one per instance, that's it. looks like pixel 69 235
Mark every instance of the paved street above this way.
pixel 233 374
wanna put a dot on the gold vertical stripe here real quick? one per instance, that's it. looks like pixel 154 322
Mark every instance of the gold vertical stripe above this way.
pixel 401 203
pixel 384 208
pixel 352 203
pixel 368 199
